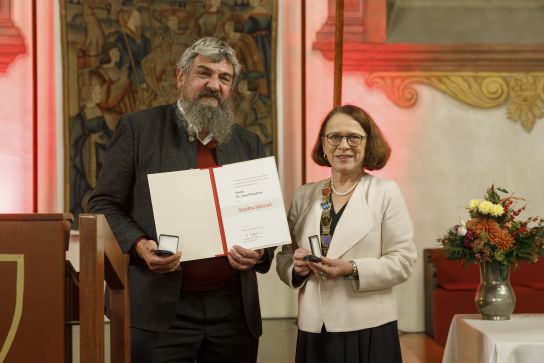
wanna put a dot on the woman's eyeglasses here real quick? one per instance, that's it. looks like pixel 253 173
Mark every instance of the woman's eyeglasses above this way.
pixel 336 139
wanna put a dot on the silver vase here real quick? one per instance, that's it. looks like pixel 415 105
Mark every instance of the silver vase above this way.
pixel 495 298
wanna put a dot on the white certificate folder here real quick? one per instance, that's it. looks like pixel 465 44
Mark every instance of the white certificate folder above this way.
pixel 210 210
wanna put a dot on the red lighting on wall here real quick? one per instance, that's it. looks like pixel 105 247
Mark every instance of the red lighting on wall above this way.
pixel 16 113
pixel 11 42
pixel 27 114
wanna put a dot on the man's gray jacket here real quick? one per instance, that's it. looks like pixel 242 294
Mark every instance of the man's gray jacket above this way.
pixel 146 142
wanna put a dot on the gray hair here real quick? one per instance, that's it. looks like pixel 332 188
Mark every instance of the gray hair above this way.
pixel 214 49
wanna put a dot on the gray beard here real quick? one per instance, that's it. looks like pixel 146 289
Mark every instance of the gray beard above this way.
pixel 216 120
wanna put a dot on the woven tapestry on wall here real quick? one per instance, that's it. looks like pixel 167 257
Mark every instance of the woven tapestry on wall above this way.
pixel 120 56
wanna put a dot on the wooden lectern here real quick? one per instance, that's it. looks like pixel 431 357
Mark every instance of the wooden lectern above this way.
pixel 32 276
pixel 37 296
pixel 101 259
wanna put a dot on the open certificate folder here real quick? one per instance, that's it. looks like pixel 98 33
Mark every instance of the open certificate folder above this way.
pixel 210 210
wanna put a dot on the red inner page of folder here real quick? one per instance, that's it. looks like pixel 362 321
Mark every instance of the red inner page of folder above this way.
pixel 218 211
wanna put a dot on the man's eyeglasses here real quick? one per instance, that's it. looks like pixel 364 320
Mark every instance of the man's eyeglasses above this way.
pixel 336 139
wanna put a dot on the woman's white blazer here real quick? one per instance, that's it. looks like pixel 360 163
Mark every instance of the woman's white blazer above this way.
pixel 375 231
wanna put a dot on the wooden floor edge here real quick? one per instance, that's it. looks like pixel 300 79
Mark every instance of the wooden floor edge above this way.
pixel 420 348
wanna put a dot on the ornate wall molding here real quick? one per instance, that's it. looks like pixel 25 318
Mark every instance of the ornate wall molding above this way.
pixel 480 75
pixel 372 57
pixel 522 93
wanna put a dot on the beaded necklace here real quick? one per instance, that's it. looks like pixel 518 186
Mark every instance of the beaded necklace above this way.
pixel 347 191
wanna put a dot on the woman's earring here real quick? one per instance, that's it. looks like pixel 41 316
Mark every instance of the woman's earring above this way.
pixel 324 155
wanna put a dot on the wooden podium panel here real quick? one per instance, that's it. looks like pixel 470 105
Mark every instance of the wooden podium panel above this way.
pixel 32 267
pixel 101 259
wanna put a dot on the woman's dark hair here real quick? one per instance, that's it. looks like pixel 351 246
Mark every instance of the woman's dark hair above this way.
pixel 377 150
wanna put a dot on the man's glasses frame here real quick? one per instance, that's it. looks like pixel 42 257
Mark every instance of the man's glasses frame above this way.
pixel 353 140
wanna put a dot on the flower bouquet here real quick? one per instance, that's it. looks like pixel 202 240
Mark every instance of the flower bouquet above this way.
pixel 495 232
pixel 496 238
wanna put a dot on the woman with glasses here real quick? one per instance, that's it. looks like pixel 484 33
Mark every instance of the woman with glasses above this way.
pixel 352 242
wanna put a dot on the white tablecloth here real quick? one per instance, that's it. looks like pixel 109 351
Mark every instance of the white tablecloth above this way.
pixel 471 339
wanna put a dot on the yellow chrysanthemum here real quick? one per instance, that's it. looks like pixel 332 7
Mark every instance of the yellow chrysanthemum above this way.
pixel 497 210
pixel 474 203
pixel 485 207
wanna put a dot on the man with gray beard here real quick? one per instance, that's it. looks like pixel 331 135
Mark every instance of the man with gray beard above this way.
pixel 204 310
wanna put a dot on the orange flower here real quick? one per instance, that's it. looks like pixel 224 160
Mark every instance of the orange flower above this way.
pixel 495 234
pixel 502 239
pixel 479 226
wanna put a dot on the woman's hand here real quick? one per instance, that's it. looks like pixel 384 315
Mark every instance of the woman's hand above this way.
pixel 330 268
pixel 300 266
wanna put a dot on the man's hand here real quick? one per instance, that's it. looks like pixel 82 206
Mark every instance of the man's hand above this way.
pixel 242 259
pixel 159 264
